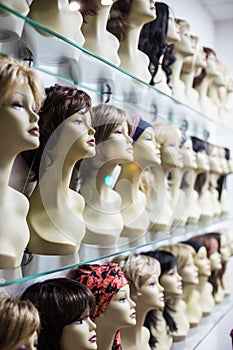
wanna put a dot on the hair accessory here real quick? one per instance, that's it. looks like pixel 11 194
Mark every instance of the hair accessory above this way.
pixel 141 126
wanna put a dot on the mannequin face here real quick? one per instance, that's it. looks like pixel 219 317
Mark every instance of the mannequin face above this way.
pixel 215 259
pixel 151 294
pixel 170 152
pixel 79 335
pixel 225 249
pixel 121 309
pixel 173 30
pixel 146 149
pixel 189 156
pixel 200 57
pixel 78 135
pixel 185 45
pixel 203 162
pixel 202 262
pixel 19 122
pixel 118 148
pixel 211 68
pixel 189 273
pixel 172 283
pixel 143 8
pixel 30 344
pixel 215 162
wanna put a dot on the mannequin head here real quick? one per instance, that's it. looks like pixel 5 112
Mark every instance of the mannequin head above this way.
pixel 143 272
pixel 210 69
pixel 169 277
pixel 65 126
pixel 185 45
pixel 189 63
pixel 146 149
pixel 64 306
pixel 168 137
pixel 185 256
pixel 19 324
pixel 114 145
pixel 212 246
pixel 188 154
pixel 114 308
pixel 200 258
pixel 200 61
pixel 215 162
pixel 21 97
pixel 124 14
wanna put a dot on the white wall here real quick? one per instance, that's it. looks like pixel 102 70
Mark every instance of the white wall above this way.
pixel 199 18
pixel 224 47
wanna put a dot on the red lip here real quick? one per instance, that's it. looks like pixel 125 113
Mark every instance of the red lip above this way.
pixel 130 149
pixel 133 315
pixel 34 131
pixel 91 142
pixel 93 339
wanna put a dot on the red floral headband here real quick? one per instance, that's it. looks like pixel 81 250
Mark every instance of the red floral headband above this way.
pixel 103 280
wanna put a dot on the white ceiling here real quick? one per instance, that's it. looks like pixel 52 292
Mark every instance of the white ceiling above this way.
pixel 220 9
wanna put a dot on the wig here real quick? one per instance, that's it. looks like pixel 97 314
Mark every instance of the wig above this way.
pixel 12 72
pixel 118 18
pixel 60 302
pixel 137 269
pixel 199 78
pixel 88 8
pixel 153 38
pixel 182 253
pixel 211 243
pixel 61 102
pixel 18 322
pixel 167 262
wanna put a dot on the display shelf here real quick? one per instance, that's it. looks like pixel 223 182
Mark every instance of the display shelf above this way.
pixel 198 334
pixel 61 58
pixel 153 241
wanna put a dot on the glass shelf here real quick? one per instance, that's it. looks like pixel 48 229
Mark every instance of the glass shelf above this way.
pixel 153 240
pixel 59 60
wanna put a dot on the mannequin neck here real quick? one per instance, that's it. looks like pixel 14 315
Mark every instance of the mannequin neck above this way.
pixel 130 43
pixel 188 290
pixel 131 172
pixel 188 78
pixel 58 175
pixel 204 86
pixel 173 301
pixel 177 67
pixel 134 335
pixel 96 25
pixel 202 282
pixel 94 185
pixel 6 164
pixel 105 332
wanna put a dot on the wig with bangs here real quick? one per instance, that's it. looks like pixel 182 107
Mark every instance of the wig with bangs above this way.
pixel 61 102
pixel 60 302
pixel 137 269
pixel 18 322
pixel 12 72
